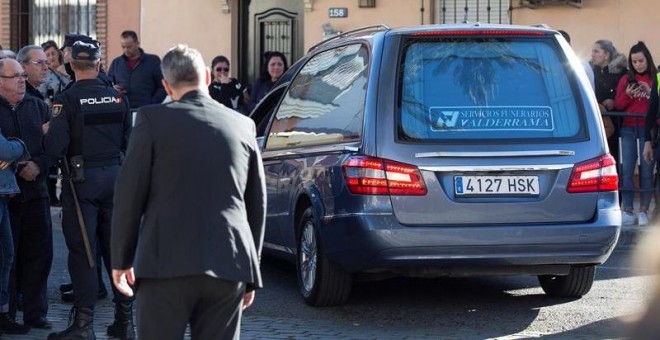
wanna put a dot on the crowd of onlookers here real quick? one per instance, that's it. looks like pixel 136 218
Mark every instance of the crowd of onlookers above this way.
pixel 30 81
pixel 626 88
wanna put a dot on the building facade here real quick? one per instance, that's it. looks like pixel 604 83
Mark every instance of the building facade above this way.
pixel 243 29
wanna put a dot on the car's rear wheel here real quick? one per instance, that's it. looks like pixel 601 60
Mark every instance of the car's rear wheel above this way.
pixel 321 282
pixel 577 283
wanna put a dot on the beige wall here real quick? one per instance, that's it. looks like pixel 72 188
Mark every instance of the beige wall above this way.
pixel 203 26
pixel 394 13
pixel 4 23
pixel 122 15
pixel 624 22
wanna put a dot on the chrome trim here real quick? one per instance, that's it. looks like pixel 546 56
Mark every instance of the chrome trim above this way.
pixel 310 151
pixel 329 217
pixel 496 168
pixel 463 154
pixel 279 248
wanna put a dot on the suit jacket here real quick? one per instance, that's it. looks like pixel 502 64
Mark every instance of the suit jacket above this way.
pixel 190 197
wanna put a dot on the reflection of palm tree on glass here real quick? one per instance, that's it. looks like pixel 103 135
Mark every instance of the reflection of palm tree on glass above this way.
pixel 478 74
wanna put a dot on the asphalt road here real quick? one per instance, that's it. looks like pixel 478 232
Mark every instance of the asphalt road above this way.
pixel 466 308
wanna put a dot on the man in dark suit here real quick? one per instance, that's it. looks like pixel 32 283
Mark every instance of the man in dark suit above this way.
pixel 189 210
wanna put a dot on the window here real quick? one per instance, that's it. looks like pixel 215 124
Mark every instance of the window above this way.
pixel 486 89
pixel 325 102
pixel 52 19
pixel 485 11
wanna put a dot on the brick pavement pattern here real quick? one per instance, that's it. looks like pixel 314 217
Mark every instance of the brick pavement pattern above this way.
pixel 253 326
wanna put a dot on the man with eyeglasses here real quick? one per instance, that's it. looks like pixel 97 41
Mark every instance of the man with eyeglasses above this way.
pixel 34 62
pixel 23 116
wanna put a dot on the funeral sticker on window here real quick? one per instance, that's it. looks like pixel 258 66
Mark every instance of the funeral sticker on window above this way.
pixel 492 118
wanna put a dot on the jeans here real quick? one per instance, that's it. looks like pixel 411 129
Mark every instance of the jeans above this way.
pixel 631 152
pixel 6 254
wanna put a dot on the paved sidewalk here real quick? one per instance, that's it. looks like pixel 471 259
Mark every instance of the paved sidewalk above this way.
pixel 253 326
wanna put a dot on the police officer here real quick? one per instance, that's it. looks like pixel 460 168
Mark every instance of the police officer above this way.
pixel 89 129
pixel 69 40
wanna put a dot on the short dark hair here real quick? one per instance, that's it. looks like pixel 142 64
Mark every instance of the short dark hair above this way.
pixel 52 44
pixel 129 34
pixel 219 59
pixel 49 44
pixel 84 65
pixel 270 55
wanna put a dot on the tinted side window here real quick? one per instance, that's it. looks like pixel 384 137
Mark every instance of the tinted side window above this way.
pixel 487 89
pixel 264 110
pixel 325 102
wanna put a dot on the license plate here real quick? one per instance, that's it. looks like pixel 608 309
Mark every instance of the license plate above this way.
pixel 496 185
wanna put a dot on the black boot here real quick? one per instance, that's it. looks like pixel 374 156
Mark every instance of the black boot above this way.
pixel 123 327
pixel 82 326
pixel 9 326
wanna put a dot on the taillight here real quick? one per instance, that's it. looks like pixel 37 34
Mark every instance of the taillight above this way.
pixel 376 176
pixel 598 174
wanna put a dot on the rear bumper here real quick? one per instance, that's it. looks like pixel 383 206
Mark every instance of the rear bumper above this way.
pixel 373 243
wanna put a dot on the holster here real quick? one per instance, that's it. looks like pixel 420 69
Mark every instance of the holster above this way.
pixel 77 168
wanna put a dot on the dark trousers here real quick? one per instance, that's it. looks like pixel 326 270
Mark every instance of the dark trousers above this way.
pixel 32 231
pixel 52 184
pixel 213 307
pixel 95 196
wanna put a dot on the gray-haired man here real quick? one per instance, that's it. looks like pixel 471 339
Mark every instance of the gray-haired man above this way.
pixel 196 263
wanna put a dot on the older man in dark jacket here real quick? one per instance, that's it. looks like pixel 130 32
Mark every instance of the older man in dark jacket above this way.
pixel 23 116
pixel 137 74
pixel 190 224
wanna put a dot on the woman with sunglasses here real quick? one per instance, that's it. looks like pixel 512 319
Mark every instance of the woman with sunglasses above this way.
pixel 224 89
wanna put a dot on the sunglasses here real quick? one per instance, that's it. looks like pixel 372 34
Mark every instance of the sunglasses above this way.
pixel 222 69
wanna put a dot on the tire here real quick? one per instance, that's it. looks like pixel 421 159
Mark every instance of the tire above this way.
pixel 321 282
pixel 577 283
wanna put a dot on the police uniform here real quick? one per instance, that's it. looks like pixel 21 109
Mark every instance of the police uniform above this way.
pixel 89 129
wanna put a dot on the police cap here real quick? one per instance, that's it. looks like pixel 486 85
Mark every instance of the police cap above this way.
pixel 71 38
pixel 86 50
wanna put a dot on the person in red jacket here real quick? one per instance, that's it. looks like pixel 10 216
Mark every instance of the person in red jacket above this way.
pixel 632 96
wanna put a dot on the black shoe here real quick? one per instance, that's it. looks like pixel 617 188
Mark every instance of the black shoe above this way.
pixel 123 327
pixel 10 326
pixel 66 287
pixel 19 301
pixel 41 323
pixel 81 328
pixel 68 297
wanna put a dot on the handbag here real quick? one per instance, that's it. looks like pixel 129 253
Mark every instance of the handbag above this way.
pixel 608 124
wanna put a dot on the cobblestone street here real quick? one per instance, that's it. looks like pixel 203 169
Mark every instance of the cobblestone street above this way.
pixel 279 312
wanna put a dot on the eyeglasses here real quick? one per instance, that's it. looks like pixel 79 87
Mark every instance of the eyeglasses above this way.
pixel 39 62
pixel 222 69
pixel 15 76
